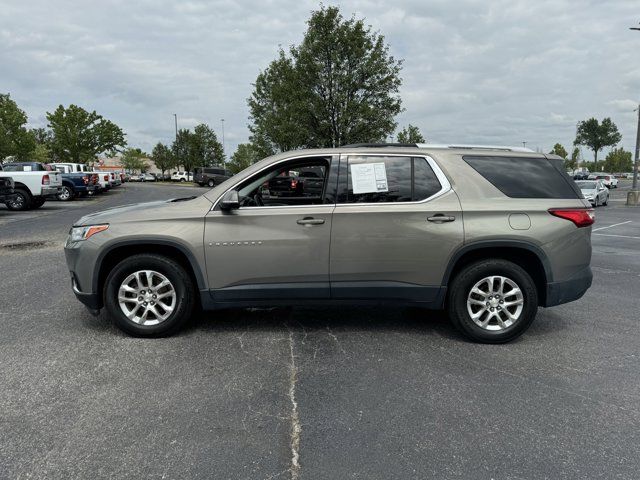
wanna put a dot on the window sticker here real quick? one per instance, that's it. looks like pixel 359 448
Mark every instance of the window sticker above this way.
pixel 27 168
pixel 369 178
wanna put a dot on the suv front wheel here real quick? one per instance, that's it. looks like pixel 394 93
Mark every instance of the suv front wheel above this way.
pixel 492 301
pixel 149 295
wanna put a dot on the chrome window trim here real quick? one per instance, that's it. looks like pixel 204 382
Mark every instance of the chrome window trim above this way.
pixel 301 157
pixel 442 178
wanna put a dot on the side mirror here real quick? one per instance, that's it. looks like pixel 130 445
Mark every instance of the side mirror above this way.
pixel 230 201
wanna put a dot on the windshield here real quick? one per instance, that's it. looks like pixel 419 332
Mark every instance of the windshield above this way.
pixel 586 185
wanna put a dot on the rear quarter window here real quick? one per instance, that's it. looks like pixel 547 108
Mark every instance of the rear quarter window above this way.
pixel 522 177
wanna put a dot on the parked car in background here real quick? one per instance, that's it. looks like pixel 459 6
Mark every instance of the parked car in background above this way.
pixel 6 189
pixel 181 177
pixel 581 175
pixel 629 176
pixel 594 191
pixel 33 184
pixel 304 182
pixel 147 177
pixel 389 227
pixel 210 176
pixel 608 180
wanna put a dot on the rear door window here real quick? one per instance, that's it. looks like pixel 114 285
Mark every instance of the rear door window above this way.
pixel 388 179
pixel 521 177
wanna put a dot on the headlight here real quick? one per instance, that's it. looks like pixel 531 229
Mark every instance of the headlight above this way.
pixel 78 234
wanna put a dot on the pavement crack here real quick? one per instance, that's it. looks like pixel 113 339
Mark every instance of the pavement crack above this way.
pixel 333 335
pixel 296 428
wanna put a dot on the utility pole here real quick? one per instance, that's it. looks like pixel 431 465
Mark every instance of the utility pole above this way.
pixel 223 154
pixel 524 144
pixel 175 116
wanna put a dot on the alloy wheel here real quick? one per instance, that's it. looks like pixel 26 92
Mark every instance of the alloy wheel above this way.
pixel 495 303
pixel 147 297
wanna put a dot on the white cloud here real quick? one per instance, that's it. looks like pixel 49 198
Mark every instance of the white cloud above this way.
pixel 500 71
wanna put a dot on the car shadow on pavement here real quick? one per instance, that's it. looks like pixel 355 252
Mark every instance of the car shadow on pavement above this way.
pixel 300 319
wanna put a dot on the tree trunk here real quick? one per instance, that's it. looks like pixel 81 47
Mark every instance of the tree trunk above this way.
pixel 595 161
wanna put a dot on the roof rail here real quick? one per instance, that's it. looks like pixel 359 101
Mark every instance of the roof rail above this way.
pixel 376 145
pixel 476 147
pixel 441 145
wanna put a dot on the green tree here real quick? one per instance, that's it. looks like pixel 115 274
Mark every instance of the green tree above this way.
pixel 339 86
pixel 163 157
pixel 42 136
pixel 79 136
pixel 205 147
pixel 15 139
pixel 410 134
pixel 597 135
pixel 182 151
pixel 618 160
pixel 559 150
pixel 41 153
pixel 245 156
pixel 133 159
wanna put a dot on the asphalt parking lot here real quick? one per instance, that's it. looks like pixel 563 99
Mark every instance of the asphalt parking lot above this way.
pixel 361 393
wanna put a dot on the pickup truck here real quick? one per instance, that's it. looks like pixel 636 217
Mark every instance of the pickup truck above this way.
pixel 6 189
pixel 31 187
pixel 104 182
pixel 76 184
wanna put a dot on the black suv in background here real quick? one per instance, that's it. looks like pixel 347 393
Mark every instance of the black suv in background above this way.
pixel 210 176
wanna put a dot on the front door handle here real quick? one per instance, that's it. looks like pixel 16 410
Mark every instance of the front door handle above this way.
pixel 310 221
pixel 440 218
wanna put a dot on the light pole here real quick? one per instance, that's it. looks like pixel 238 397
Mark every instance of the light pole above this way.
pixel 175 116
pixel 635 163
pixel 524 144
pixel 633 197
pixel 223 158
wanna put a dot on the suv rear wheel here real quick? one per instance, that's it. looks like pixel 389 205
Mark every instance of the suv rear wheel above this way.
pixel 149 295
pixel 492 301
pixel 211 183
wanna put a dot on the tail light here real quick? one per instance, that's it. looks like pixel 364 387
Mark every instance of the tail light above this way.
pixel 294 183
pixel 106 178
pixel 94 178
pixel 46 180
pixel 581 217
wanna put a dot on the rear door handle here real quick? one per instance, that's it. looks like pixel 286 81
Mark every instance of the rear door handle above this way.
pixel 440 218
pixel 310 221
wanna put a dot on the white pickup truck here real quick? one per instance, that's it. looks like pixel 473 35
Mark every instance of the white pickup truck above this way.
pixel 32 187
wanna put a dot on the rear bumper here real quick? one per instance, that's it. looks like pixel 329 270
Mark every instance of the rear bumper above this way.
pixel 49 191
pixel 569 290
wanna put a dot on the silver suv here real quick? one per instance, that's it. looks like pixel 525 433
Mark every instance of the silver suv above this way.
pixel 489 233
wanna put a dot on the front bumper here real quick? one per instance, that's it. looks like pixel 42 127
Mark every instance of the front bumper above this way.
pixel 569 290
pixel 90 300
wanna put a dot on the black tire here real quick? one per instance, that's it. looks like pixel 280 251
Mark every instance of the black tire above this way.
pixel 37 202
pixel 176 274
pixel 21 201
pixel 211 183
pixel 606 201
pixel 460 289
pixel 597 202
pixel 66 194
pixel 182 180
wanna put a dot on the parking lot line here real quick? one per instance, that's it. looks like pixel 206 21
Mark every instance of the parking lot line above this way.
pixel 609 226
pixel 612 235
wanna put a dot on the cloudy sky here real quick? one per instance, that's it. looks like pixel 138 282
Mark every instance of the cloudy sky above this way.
pixel 475 71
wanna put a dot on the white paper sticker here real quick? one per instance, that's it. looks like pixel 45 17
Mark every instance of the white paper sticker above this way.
pixel 26 168
pixel 369 178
